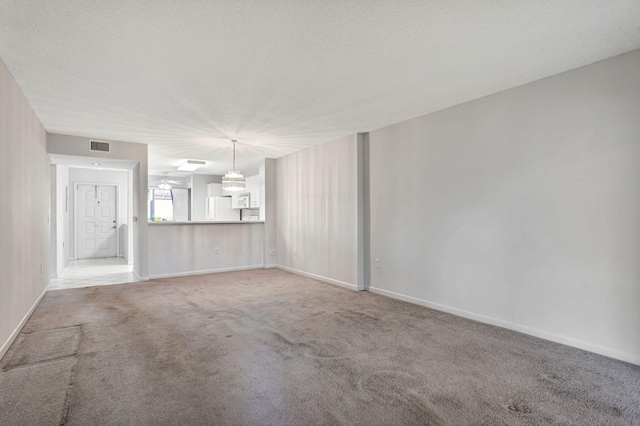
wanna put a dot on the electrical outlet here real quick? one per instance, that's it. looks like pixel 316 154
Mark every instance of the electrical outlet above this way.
pixel 216 251
pixel 377 263
pixel 295 250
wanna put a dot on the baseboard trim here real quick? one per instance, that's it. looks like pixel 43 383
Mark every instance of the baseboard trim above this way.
pixel 138 277
pixel 56 274
pixel 205 271
pixel 271 266
pixel 318 277
pixel 5 347
pixel 580 344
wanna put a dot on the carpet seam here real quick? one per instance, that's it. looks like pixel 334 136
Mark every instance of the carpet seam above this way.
pixel 51 329
pixel 72 379
pixel 31 364
pixel 67 398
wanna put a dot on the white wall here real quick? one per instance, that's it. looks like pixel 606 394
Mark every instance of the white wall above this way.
pixel 520 209
pixel 268 210
pixel 316 191
pixel 24 228
pixel 130 227
pixel 134 152
pixel 53 257
pixel 64 208
pixel 190 248
pixel 60 237
pixel 139 225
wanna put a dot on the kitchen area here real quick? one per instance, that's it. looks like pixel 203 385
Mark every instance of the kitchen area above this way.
pixel 207 230
pixel 242 206
pixel 181 197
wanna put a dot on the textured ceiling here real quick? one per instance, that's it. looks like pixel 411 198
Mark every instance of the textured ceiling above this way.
pixel 185 77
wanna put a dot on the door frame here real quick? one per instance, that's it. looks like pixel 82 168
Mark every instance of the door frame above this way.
pixel 75 215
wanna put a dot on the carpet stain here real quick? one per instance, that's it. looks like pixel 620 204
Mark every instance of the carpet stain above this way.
pixel 563 386
pixel 360 317
pixel 281 339
pixel 327 349
pixel 401 389
pixel 520 408
pixel 553 377
pixel 449 401
pixel 388 386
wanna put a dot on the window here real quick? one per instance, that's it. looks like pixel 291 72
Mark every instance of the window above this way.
pixel 160 206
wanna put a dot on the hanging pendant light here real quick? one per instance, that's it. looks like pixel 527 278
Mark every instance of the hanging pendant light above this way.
pixel 233 181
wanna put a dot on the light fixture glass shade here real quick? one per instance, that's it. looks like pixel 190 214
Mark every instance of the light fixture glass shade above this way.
pixel 164 185
pixel 233 182
pixel 191 165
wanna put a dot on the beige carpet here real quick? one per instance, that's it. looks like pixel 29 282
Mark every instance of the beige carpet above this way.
pixel 266 347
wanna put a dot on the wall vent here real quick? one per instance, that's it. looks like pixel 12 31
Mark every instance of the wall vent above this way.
pixel 99 146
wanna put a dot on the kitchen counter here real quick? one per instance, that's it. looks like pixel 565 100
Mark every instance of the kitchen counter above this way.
pixel 187 248
pixel 206 222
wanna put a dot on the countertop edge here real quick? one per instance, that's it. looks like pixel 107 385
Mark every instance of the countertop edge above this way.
pixel 208 222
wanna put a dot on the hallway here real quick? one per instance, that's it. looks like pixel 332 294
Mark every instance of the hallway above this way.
pixel 94 272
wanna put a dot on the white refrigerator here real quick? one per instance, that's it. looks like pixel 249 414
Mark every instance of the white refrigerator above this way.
pixel 219 208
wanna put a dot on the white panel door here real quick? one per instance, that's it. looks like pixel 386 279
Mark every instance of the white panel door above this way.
pixel 96 221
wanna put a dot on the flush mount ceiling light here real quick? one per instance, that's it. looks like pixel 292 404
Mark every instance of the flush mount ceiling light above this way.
pixel 191 165
pixel 164 183
pixel 233 181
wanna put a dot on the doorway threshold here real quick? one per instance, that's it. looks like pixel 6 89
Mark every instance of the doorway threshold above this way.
pixel 94 272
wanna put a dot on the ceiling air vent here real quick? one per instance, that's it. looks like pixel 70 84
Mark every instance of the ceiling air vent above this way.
pixel 99 146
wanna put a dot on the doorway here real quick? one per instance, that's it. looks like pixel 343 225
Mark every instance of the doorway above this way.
pixel 95 235
pixel 96 222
